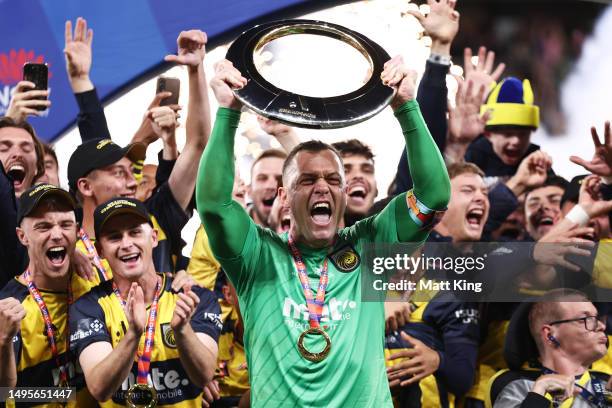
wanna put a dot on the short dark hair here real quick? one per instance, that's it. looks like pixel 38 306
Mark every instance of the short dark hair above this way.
pixel 551 180
pixel 6 121
pixel 277 153
pixel 48 149
pixel 354 147
pixel 312 146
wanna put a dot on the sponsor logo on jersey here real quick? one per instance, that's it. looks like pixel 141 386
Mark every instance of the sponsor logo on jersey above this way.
pixel 333 310
pixel 468 316
pixel 214 318
pixel 85 328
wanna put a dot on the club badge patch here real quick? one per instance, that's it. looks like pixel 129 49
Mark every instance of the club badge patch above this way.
pixel 346 259
pixel 168 335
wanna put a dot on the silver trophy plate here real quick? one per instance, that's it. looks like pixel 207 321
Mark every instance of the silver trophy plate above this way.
pixel 305 111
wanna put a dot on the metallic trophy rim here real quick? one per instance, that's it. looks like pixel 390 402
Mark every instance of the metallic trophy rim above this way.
pixel 298 110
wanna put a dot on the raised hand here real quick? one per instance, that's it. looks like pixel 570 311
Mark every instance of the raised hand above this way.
pixel 24 102
pixel 552 248
pixel 441 24
pixel 590 198
pixel 164 120
pixel 482 74
pixel 191 48
pixel 11 314
pixel 396 75
pixel 82 264
pixel 465 123
pixel 420 362
pixel 532 172
pixel 186 305
pixel 136 310
pixel 77 50
pixel 227 78
pixel 601 163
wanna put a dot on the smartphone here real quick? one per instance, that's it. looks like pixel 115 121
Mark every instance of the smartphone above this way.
pixel 38 74
pixel 169 84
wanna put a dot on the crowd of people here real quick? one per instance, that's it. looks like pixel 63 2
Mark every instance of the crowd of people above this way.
pixel 269 310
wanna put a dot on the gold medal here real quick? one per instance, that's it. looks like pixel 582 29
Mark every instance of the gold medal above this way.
pixel 314 357
pixel 144 393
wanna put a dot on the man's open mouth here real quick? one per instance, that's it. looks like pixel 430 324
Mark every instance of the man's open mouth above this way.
pixel 130 259
pixel 268 201
pixel 56 255
pixel 16 173
pixel 321 212
pixel 475 217
pixel 285 223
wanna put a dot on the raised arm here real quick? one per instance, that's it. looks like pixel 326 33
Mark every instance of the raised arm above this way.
pixel 77 50
pixel 441 25
pixel 225 221
pixel 191 51
pixel 426 166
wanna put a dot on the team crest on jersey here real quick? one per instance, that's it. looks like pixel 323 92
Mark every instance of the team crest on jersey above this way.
pixel 168 335
pixel 346 259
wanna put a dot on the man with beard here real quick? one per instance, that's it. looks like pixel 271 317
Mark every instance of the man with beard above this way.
pixel 266 174
pixel 294 358
pixel 361 187
pixel 21 156
pixel 34 305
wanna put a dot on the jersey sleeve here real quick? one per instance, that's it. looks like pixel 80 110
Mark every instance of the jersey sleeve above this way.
pixel 169 214
pixel 234 238
pixel 207 316
pixel 87 323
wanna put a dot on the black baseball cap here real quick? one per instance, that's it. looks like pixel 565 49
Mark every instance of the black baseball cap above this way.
pixel 96 154
pixel 572 192
pixel 116 206
pixel 30 199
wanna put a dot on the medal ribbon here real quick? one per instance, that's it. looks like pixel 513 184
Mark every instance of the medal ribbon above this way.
pixel 97 261
pixel 598 399
pixel 314 304
pixel 144 360
pixel 51 337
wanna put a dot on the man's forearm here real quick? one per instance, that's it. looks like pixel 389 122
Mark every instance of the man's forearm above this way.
pixel 183 177
pixel 198 114
pixel 426 166
pixel 8 368
pixel 199 362
pixel 226 223
pixel 110 373
pixel 91 119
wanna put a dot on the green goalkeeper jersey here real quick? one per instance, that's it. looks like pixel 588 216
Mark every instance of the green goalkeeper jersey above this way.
pixel 260 265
